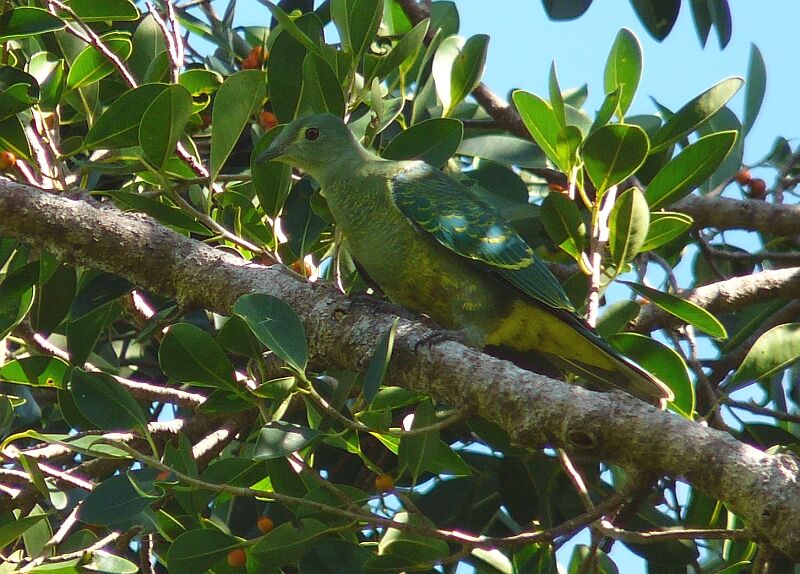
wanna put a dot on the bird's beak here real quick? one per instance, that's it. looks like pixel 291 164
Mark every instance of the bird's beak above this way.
pixel 272 152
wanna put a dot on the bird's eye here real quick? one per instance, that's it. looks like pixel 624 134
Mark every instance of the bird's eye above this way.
pixel 312 134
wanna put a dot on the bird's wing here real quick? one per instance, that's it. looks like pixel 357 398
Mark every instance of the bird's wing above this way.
pixel 451 213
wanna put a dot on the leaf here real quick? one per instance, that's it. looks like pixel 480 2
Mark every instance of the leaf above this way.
pixel 694 113
pixel 658 16
pixel 624 69
pixel 91 66
pixel 689 169
pixel 105 402
pixel 628 224
pixel 16 296
pixel 116 501
pixel 291 27
pixel 467 69
pixel 357 22
pixel 378 363
pixel 13 530
pixel 198 550
pixel 565 9
pixel 702 19
pixel 542 123
pixel 163 123
pixel 190 355
pixel 616 317
pixel 49 72
pixel 169 215
pixel 556 99
pixel 288 542
pixel 237 99
pixel 107 10
pixel 568 142
pixel 404 51
pixel 276 325
pixel 613 153
pixel 13 139
pixel 772 352
pixel 118 126
pixel 433 141
pixel 25 21
pixel 272 180
pixel 661 361
pixel 321 87
pixel 36 371
pixel 502 148
pixel 664 227
pixel 563 222
pixel 276 439
pixel 755 88
pixel 682 309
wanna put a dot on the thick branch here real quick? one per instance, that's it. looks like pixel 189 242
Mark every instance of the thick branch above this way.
pixel 535 410
pixel 751 214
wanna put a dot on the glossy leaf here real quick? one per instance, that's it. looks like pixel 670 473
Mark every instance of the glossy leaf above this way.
pixel 628 224
pixel 662 362
pixel 357 22
pixel 288 542
pixel 272 180
pixel 118 126
pixel 190 355
pixel 657 16
pixel 565 9
pixel 16 296
pixel 774 351
pixel 563 222
pixel 25 21
pixel 617 316
pixel 321 88
pixel 682 309
pixel 116 501
pixel 91 65
pixel 107 10
pixel 237 99
pixel 13 139
pixel 690 168
pixel 624 69
pixel 278 439
pixel 433 141
pixel 163 123
pixel 105 402
pixel 755 88
pixel 556 98
pixel 695 113
pixel 541 121
pixel 49 73
pixel 36 371
pixel 457 68
pixel 276 325
pixel 404 51
pixel 664 227
pixel 170 216
pixel 613 153
pixel 199 549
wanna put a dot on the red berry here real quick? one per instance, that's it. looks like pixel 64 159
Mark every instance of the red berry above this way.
pixel 758 187
pixel 265 524
pixel 268 120
pixel 743 176
pixel 237 558
pixel 7 160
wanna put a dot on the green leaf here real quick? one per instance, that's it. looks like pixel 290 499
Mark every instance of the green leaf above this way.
pixel 321 87
pixel 36 371
pixel 116 501
pixel 415 548
pixel 191 355
pixel 690 168
pixel 628 224
pixel 169 215
pixel 565 9
pixel 18 91
pixel 277 439
pixel 107 10
pixel 163 123
pixel 458 67
pixel 291 27
pixel 661 361
pixel 301 224
pixel 563 222
pixel 682 309
pixel 13 139
pixel 25 21
pixel 502 148
pixel 616 317
pixel 357 22
pixel 378 363
pixel 118 126
pixel 91 65
pixel 198 550
pixel 237 99
pixel 772 352
pixel 49 72
pixel 16 296
pixel 105 402
pixel 433 141
pixel 404 51
pixel 696 112
pixel 556 99
pixel 664 227
pixel 657 16
pixel 541 121
pixel 288 542
pixel 755 88
pixel 613 153
pixel 624 69
pixel 83 332
pixel 272 180
pixel 13 530
pixel 568 142
pixel 276 325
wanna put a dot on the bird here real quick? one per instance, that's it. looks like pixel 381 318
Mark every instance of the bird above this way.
pixel 434 247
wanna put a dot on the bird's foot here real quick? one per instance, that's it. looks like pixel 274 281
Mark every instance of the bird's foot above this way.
pixel 439 335
pixel 381 306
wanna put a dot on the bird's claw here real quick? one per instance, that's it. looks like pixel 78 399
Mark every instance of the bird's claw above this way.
pixel 442 336
pixel 381 306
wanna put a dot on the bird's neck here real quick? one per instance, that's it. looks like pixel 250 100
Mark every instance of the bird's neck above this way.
pixel 347 161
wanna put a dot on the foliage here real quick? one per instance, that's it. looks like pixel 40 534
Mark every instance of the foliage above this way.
pixel 109 99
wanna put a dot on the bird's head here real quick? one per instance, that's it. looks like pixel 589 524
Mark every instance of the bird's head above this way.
pixel 314 144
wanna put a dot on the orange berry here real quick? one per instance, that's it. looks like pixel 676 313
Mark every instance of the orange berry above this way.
pixel 259 54
pixel 237 558
pixel 553 186
pixel 265 524
pixel 7 160
pixel 249 64
pixel 384 483
pixel 743 176
pixel 758 187
pixel 268 120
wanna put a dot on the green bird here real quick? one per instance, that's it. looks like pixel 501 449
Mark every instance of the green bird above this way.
pixel 434 247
